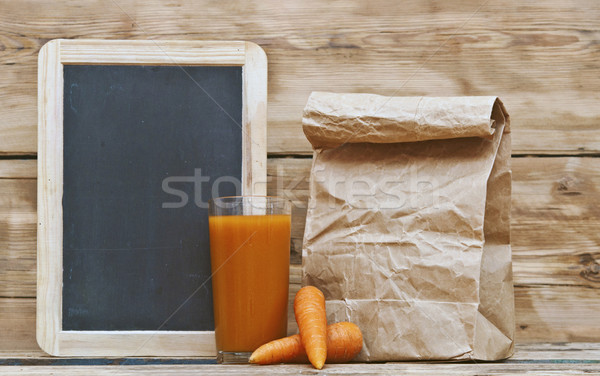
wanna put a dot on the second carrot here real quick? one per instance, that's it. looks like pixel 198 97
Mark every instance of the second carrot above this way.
pixel 309 309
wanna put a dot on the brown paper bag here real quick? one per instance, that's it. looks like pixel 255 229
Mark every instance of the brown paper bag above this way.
pixel 407 231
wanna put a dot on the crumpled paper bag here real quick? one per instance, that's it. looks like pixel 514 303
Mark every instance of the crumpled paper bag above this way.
pixel 408 229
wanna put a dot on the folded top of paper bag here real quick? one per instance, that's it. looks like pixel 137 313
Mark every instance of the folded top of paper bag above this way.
pixel 332 119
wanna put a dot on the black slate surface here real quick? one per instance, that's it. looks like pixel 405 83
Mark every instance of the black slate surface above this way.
pixel 135 254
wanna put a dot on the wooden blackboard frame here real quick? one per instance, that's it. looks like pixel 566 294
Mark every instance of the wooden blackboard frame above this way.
pixel 53 56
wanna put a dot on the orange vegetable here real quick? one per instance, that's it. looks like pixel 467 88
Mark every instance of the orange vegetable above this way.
pixel 283 350
pixel 344 342
pixel 309 308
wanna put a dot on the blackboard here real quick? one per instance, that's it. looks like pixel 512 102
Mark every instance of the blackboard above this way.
pixel 132 148
pixel 130 261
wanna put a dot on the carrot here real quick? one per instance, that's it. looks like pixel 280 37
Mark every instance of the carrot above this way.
pixel 344 342
pixel 278 351
pixel 309 309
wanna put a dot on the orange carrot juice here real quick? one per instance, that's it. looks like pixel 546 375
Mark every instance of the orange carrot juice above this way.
pixel 250 265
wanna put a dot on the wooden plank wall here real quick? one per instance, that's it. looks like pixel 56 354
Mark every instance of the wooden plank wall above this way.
pixel 542 58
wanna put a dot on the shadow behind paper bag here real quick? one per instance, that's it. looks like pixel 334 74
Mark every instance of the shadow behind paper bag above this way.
pixel 408 229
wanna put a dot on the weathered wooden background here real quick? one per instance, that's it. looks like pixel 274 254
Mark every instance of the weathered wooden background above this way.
pixel 542 58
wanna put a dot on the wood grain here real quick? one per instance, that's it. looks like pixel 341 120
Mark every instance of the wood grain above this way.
pixel 18 235
pixel 536 353
pixel 555 221
pixel 554 236
pixel 18 169
pixel 556 351
pixel 541 59
pixel 53 55
pixel 544 314
pixel 333 369
pixel 254 120
pixel 18 322
pixel 94 51
pixel 50 193
pixel 17 325
pixel 18 343
pixel 557 313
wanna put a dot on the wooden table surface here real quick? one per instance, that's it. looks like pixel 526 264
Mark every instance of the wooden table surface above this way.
pixel 530 359
pixel 542 58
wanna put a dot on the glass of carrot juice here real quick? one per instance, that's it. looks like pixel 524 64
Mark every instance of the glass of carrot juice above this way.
pixel 250 257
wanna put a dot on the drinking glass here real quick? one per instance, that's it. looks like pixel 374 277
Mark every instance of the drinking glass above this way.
pixel 250 257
